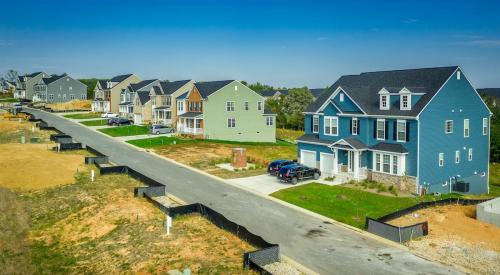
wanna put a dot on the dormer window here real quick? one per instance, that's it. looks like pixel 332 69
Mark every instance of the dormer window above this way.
pixel 405 99
pixel 384 99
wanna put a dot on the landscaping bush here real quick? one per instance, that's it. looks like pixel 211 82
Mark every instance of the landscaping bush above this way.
pixel 381 188
pixel 393 190
pixel 329 178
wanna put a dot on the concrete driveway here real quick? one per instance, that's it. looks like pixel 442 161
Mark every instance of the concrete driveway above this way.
pixel 314 241
pixel 265 184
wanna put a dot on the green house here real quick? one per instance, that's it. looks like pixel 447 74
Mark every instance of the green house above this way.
pixel 225 110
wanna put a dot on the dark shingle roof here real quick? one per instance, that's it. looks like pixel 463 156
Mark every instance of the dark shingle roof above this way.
pixel 355 143
pixel 157 90
pixel 490 91
pixel 271 93
pixel 317 92
pixel 53 78
pixel 190 115
pixel 183 96
pixel 389 147
pixel 315 139
pixel 120 78
pixel 33 74
pixel 140 85
pixel 364 88
pixel 143 96
pixel 103 84
pixel 170 87
pixel 208 88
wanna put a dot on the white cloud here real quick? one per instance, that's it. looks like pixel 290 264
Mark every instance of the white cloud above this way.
pixel 410 21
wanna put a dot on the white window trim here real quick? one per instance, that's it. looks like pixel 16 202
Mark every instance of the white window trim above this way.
pixel 269 121
pixel 227 122
pixel 315 117
pixel 466 127
pixel 355 120
pixel 469 157
pixel 400 165
pixel 408 107
pixel 457 157
pixel 383 128
pixel 228 105
pixel 246 105
pixel 387 102
pixel 397 130
pixel 441 159
pixel 446 126
pixel 341 97
pixel 259 105
pixel 331 118
pixel 485 126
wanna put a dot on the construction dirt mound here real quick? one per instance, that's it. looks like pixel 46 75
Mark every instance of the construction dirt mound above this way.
pixel 457 238
pixel 71 105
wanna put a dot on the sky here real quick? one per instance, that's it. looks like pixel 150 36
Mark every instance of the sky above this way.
pixel 281 43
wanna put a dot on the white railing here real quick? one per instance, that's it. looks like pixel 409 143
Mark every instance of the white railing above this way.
pixel 186 130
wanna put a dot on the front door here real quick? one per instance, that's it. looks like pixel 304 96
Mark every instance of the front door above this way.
pixel 350 161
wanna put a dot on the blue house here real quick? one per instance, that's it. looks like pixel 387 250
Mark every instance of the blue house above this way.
pixel 421 130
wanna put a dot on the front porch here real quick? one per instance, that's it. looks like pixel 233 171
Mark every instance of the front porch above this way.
pixel 190 124
pixel 101 106
pixel 126 110
pixel 162 115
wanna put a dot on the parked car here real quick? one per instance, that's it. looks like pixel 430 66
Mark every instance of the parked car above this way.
pixel 118 121
pixel 109 115
pixel 161 129
pixel 274 167
pixel 292 173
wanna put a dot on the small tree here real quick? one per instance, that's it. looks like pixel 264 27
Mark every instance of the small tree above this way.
pixel 293 106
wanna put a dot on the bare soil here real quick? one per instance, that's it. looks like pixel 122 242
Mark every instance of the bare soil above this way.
pixel 456 237
pixel 12 130
pixel 71 105
pixel 35 166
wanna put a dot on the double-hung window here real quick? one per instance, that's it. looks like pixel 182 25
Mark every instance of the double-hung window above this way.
pixel 448 127
pixel 485 126
pixel 269 120
pixel 457 156
pixel 377 162
pixel 315 126
pixel 259 106
pixel 231 123
pixel 466 128
pixel 354 126
pixel 470 154
pixel 395 160
pixel 386 168
pixel 331 126
pixel 230 106
pixel 401 130
pixel 389 164
pixel 384 102
pixel 441 159
pixel 380 129
pixel 246 106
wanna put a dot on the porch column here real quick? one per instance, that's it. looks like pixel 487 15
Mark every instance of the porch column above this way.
pixel 335 161
pixel 356 165
pixel 194 125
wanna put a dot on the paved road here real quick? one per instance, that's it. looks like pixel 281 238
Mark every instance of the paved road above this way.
pixel 324 247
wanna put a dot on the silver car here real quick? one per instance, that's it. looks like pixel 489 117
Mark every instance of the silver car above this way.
pixel 161 129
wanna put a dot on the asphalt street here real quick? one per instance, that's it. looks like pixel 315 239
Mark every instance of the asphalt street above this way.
pixel 319 245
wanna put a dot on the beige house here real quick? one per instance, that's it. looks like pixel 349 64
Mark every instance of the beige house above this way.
pixel 163 100
pixel 107 92
pixel 142 107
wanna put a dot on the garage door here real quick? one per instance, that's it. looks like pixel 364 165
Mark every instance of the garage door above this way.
pixel 308 158
pixel 326 163
pixel 137 119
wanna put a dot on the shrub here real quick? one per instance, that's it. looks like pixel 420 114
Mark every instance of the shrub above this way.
pixel 329 178
pixel 393 190
pixel 381 188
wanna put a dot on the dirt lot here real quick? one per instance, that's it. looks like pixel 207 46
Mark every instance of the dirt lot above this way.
pixel 35 166
pixel 71 105
pixel 12 130
pixel 205 155
pixel 456 237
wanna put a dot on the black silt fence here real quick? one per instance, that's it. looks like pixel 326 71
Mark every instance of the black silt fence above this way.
pixel 96 160
pixel 70 146
pixel 396 233
pixel 260 258
pixel 151 191
pixel 145 179
pixel 54 137
pixel 112 169
pixel 94 151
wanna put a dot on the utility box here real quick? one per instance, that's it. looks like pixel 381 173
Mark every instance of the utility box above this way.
pixel 239 159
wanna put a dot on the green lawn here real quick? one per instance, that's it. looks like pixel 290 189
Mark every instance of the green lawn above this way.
pixel 288 134
pixel 84 116
pixel 495 179
pixel 9 100
pixel 160 141
pixel 345 204
pixel 130 130
pixel 97 122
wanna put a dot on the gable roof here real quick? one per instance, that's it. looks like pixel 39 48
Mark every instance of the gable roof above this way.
pixel 210 87
pixel 364 88
pixel 137 86
pixel 271 93
pixel 183 96
pixel 490 91
pixel 102 83
pixel 157 90
pixel 389 147
pixel 120 78
pixel 143 96
pixel 169 88
pixel 33 74
pixel 52 78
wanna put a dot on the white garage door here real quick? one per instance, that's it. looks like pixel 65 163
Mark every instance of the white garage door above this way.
pixel 326 163
pixel 308 158
pixel 137 119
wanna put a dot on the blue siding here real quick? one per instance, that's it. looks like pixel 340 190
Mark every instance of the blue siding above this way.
pixel 347 105
pixel 308 124
pixel 456 101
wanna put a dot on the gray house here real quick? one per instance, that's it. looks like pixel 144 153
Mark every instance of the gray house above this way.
pixel 59 88
pixel 26 83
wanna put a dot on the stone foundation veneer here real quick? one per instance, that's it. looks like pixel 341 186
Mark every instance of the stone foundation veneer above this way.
pixel 402 183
